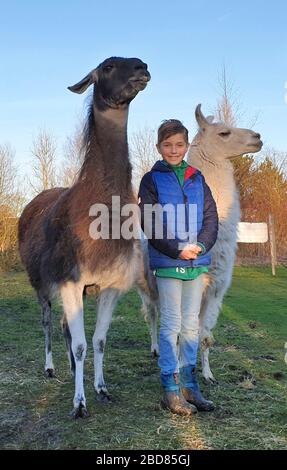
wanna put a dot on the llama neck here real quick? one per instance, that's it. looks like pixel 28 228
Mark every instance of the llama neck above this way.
pixel 107 157
pixel 200 159
pixel 219 178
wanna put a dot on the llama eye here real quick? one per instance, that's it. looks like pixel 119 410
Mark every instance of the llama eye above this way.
pixel 108 68
pixel 224 134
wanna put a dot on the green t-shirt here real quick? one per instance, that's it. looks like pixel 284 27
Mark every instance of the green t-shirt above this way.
pixel 185 274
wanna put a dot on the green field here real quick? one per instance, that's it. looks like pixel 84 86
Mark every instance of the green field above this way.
pixel 247 360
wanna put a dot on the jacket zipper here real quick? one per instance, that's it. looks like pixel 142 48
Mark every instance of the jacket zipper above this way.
pixel 185 199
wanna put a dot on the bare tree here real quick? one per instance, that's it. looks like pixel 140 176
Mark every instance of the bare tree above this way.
pixel 11 204
pixel 227 109
pixel 11 196
pixel 8 174
pixel 278 158
pixel 44 166
pixel 73 157
pixel 143 152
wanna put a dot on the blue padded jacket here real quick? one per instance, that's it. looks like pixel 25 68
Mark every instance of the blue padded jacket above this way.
pixel 161 186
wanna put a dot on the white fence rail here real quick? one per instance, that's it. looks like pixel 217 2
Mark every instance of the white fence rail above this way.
pixel 257 232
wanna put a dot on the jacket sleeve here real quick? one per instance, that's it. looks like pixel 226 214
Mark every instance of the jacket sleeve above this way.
pixel 148 195
pixel 208 233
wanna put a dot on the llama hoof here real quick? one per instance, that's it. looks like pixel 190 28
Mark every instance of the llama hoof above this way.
pixel 154 354
pixel 50 373
pixel 210 380
pixel 103 397
pixel 79 412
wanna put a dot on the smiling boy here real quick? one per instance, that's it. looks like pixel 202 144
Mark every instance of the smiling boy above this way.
pixel 179 271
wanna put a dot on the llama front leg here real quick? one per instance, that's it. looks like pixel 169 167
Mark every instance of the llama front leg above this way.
pixel 47 327
pixel 106 304
pixel 72 298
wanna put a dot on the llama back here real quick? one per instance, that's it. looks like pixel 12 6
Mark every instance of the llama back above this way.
pixel 31 234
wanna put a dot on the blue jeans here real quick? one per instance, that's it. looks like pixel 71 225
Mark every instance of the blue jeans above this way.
pixel 179 323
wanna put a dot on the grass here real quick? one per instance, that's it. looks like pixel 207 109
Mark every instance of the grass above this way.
pixel 247 360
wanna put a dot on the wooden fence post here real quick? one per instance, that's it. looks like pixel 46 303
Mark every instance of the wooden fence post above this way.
pixel 272 243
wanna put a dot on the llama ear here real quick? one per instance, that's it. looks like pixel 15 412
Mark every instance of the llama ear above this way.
pixel 88 80
pixel 210 119
pixel 201 120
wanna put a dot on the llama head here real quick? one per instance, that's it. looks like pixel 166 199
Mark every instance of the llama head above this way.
pixel 116 82
pixel 220 142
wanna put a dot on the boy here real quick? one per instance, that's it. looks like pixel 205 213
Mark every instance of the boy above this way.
pixel 178 263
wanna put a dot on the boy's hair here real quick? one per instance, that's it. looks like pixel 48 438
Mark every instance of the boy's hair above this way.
pixel 170 127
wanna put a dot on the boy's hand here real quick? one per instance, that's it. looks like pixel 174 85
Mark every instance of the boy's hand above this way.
pixel 190 252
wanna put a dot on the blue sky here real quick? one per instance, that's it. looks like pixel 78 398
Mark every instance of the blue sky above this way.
pixel 46 46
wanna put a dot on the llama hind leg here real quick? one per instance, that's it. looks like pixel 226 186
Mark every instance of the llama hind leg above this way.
pixel 208 317
pixel 68 340
pixel 206 371
pixel 72 299
pixel 106 304
pixel 153 315
pixel 47 327
pixel 150 313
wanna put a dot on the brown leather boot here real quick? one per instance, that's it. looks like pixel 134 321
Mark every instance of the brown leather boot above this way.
pixel 197 399
pixel 190 389
pixel 175 402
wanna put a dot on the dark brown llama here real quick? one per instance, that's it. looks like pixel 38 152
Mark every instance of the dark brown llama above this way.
pixel 55 244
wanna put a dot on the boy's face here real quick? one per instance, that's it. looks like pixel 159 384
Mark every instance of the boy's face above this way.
pixel 173 149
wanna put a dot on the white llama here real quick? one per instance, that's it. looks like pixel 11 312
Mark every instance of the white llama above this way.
pixel 211 150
